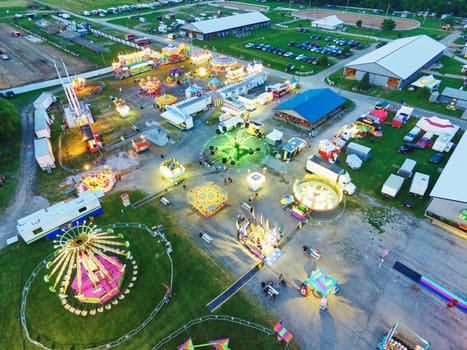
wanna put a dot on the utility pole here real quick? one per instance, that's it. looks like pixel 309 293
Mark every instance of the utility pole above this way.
pixel 387 11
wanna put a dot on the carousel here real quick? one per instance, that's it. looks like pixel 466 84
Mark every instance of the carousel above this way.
pixel 150 86
pixel 172 170
pixel 164 100
pixel 96 180
pixel 223 63
pixel 85 264
pixel 208 198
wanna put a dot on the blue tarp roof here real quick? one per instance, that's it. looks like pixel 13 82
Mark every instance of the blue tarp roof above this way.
pixel 312 105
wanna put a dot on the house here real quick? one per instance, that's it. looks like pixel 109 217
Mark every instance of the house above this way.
pixel 330 23
pixel 448 204
pixel 225 26
pixel 398 63
pixel 310 108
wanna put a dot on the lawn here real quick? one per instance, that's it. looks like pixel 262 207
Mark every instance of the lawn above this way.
pixel 449 66
pixel 417 98
pixel 385 160
pixel 196 274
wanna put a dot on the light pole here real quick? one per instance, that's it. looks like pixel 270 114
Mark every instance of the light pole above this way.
pixel 347 6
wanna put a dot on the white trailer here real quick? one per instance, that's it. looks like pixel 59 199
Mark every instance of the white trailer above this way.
pixel 392 186
pixel 194 105
pixel 419 184
pixel 265 97
pixel 45 100
pixel 443 142
pixel 406 169
pixel 41 123
pixel 320 167
pixel 363 152
pixel 230 124
pixel 250 82
pixel 49 222
pixel 44 154
pixel 177 118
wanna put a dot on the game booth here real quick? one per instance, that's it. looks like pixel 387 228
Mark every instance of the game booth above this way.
pixel 259 237
pixel 320 284
pixel 174 54
pixel 254 67
pixel 200 56
pixel 135 63
pixel 214 83
pixel 401 337
pixel 223 63
pixel 208 198
pixel 121 107
pixel 193 90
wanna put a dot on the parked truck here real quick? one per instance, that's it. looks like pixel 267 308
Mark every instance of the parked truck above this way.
pixel 320 167
pixel 406 169
pixel 392 186
pixel 419 184
pixel 363 152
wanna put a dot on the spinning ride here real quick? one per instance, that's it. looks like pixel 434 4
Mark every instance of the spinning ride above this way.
pixel 81 260
pixel 172 170
pixel 222 63
pixel 208 199
pixel 103 181
pixel 151 86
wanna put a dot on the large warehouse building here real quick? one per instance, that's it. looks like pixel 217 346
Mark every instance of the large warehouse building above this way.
pixel 448 206
pixel 398 63
pixel 224 26
pixel 310 108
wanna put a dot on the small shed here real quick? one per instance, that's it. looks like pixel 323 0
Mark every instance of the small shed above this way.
pixel 450 94
pixel 330 23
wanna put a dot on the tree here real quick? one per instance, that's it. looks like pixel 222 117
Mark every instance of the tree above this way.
pixel 388 25
pixel 364 84
pixel 359 23
pixel 322 60
pixel 11 122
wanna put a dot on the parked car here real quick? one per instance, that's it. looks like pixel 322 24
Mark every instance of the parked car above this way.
pixel 250 46
pixel 291 43
pixel 437 157
pixel 426 141
pixel 412 134
pixel 407 147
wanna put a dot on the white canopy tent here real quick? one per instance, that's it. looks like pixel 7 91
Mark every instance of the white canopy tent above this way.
pixel 437 126
pixel 427 81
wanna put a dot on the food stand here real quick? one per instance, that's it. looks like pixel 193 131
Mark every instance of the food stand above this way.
pixel 401 337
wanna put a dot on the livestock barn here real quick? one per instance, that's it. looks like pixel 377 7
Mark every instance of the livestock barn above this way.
pixel 225 26
pixel 398 63
pixel 310 108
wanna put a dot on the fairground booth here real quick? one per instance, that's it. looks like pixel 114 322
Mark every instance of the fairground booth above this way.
pixel 172 170
pixel 401 337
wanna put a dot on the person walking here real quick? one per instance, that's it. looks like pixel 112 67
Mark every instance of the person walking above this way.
pixel 324 303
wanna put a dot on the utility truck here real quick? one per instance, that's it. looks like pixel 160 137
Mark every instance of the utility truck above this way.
pixel 392 186
pixel 419 184
pixel 332 172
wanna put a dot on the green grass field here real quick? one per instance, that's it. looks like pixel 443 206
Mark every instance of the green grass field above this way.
pixel 196 274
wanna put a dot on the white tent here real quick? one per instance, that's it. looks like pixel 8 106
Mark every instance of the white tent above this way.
pixel 274 137
pixel 428 81
pixel 437 126
pixel 329 22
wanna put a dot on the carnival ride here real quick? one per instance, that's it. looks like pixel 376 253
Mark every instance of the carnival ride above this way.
pixel 150 86
pixel 82 88
pixel 320 284
pixel 81 261
pixel 96 180
pixel 121 107
pixel 174 54
pixel 165 100
pixel 135 63
pixel 173 79
pixel 223 63
pixel 401 337
pixel 208 198
pixel 261 238
pixel 219 344
pixel 317 193
pixel 235 147
pixel 172 170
